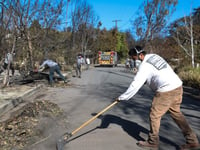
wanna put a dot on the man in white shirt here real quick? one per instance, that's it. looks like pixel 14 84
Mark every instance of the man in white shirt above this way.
pixel 88 62
pixel 156 72
pixel 79 63
pixel 53 67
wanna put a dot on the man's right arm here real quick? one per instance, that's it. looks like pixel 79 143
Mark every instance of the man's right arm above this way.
pixel 42 67
pixel 136 84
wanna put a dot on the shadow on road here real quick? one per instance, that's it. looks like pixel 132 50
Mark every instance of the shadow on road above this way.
pixel 131 128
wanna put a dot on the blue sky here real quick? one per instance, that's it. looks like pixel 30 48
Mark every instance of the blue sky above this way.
pixel 125 10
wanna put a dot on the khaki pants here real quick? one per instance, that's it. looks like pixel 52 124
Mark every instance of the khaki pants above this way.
pixel 169 101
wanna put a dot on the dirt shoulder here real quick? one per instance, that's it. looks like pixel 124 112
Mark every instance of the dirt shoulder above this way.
pixel 31 124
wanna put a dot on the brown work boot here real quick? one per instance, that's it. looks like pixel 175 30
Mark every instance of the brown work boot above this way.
pixel 192 146
pixel 147 145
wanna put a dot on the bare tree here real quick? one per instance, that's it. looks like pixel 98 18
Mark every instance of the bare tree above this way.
pixel 5 23
pixel 47 13
pixel 152 18
pixel 184 37
pixel 18 15
pixel 8 35
pixel 83 22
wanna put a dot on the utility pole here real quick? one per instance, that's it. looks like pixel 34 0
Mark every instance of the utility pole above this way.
pixel 116 23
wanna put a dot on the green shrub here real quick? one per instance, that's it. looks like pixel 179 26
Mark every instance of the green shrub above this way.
pixel 190 76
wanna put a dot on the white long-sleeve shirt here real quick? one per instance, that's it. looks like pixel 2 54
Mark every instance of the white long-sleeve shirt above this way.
pixel 157 73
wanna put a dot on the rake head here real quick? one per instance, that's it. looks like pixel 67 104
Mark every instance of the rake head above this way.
pixel 62 141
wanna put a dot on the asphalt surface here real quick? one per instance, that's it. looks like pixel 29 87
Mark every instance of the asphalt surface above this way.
pixel 122 125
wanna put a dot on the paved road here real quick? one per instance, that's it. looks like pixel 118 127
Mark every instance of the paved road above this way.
pixel 124 124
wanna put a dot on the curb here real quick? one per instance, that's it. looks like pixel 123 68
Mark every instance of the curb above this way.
pixel 8 104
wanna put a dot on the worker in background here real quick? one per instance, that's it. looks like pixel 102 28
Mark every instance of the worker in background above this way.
pixel 88 62
pixel 53 67
pixel 9 61
pixel 79 63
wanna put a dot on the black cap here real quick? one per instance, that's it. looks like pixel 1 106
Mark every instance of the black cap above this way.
pixel 135 51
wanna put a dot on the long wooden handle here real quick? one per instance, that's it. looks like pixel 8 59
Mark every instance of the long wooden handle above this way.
pixel 93 118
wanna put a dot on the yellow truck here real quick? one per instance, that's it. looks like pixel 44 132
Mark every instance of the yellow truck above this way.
pixel 108 58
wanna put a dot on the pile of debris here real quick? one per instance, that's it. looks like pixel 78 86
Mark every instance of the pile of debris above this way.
pixel 38 78
pixel 24 127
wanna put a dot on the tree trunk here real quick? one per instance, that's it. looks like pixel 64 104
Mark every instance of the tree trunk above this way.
pixel 30 50
pixel 192 41
pixel 188 28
